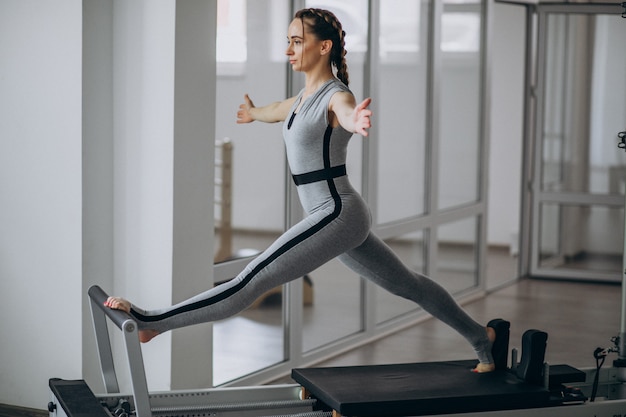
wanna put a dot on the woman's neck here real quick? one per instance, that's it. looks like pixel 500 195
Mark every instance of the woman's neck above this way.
pixel 314 80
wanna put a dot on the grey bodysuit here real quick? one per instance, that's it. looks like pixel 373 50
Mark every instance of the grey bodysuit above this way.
pixel 337 225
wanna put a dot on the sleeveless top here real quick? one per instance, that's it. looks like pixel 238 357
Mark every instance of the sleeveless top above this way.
pixel 311 143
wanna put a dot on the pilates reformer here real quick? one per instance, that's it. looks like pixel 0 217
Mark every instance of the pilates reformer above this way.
pixel 529 387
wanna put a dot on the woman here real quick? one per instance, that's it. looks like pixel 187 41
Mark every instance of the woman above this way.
pixel 319 122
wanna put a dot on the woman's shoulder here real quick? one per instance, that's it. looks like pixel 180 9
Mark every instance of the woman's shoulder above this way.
pixel 337 84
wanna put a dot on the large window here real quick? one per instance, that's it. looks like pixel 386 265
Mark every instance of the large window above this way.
pixel 403 113
pixel 232 39
pixel 461 26
pixel 256 205
pixel 338 290
pixel 419 162
pixel 460 118
pixel 579 173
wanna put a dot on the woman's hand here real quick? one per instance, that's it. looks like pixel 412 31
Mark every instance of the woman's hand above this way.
pixel 272 113
pixel 244 114
pixel 352 117
pixel 361 117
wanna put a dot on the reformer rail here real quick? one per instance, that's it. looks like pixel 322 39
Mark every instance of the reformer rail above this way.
pixel 75 398
pixel 245 401
pixel 129 328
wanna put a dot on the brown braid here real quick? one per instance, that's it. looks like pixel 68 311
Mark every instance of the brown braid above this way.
pixel 325 26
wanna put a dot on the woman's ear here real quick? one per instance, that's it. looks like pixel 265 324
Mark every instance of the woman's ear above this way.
pixel 327 46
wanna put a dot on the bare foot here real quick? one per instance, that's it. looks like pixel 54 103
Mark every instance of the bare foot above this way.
pixel 147 335
pixel 487 367
pixel 118 303
pixel 482 368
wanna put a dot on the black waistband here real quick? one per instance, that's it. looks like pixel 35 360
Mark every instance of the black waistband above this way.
pixel 320 175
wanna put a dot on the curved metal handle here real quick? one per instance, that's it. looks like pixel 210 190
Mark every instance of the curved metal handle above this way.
pixel 118 317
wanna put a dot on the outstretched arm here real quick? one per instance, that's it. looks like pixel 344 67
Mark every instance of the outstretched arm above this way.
pixel 352 117
pixel 274 112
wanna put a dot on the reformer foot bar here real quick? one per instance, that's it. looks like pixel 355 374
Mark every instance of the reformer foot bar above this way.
pixel 75 398
pixel 529 387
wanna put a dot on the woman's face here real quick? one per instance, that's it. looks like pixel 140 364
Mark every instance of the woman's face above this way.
pixel 304 50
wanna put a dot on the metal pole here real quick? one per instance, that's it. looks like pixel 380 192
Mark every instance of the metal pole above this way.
pixel 620 363
pixel 622 330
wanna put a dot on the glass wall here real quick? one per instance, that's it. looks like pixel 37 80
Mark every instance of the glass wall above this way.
pixel 580 171
pixel 411 249
pixel 432 163
pixel 419 170
pixel 460 118
pixel 457 260
pixel 337 290
pixel 251 35
pixel 403 162
pixel 403 64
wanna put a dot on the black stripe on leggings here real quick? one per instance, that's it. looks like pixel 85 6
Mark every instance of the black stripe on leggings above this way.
pixel 280 251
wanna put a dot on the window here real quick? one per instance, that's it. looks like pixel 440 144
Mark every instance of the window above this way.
pixel 400 30
pixel 231 47
pixel 460 26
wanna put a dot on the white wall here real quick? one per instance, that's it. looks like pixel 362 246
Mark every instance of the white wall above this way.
pixel 40 194
pixel 98 187
pixel 128 138
pixel 89 183
pixel 193 185
pixel 148 136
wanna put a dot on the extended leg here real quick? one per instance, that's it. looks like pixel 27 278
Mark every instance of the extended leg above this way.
pixel 375 261
pixel 309 244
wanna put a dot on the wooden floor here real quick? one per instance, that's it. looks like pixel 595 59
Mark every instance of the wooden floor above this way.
pixel 578 317
pixel 9 411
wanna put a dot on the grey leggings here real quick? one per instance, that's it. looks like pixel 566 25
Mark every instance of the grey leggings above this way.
pixel 338 225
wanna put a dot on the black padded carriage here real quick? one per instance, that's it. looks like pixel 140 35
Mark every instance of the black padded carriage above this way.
pixel 416 389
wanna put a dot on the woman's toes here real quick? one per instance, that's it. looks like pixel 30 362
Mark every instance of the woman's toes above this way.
pixel 117 303
pixel 484 367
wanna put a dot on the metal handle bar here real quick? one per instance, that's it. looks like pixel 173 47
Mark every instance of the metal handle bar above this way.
pixel 118 317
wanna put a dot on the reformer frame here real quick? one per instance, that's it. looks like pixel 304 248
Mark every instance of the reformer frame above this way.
pixel 75 398
pixel 246 401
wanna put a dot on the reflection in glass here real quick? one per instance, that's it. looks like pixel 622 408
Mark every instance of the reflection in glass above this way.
pixel 584 101
pixel 608 108
pixel 553 140
pixel 459 114
pixel 410 249
pixel 457 267
pixel 550 231
pixel 580 124
pixel 581 237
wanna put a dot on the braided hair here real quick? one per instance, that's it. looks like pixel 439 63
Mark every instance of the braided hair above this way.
pixel 325 26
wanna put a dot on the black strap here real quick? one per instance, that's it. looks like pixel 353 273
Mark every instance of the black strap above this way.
pixel 320 175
